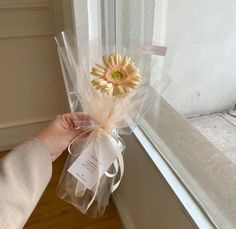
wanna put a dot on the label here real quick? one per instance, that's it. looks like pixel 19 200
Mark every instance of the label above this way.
pixel 153 50
pixel 85 167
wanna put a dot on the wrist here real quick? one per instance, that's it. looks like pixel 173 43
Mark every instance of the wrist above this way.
pixel 46 143
pixel 43 145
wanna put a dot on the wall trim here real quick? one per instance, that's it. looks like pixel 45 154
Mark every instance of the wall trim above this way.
pixel 15 132
pixel 24 6
pixel 24 122
pixel 126 221
pixel 25 34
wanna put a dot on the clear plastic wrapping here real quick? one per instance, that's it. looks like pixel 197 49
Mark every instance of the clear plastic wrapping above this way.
pixel 112 116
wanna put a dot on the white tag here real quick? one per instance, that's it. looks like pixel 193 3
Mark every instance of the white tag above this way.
pixel 85 167
pixel 152 50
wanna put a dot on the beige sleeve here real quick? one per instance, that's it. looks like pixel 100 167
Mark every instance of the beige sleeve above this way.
pixel 24 175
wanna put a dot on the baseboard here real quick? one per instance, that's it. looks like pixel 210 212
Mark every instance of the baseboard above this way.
pixel 124 216
pixel 13 133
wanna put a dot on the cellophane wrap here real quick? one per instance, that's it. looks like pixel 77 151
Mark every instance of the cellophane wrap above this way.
pixel 112 116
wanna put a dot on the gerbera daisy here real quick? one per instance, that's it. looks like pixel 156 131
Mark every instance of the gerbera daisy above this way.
pixel 118 76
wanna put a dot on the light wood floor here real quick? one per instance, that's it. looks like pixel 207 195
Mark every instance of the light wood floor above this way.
pixel 53 213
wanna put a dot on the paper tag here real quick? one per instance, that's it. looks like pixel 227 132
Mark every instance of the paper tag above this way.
pixel 85 167
pixel 153 50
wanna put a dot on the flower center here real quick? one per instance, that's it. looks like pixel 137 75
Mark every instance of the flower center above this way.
pixel 116 75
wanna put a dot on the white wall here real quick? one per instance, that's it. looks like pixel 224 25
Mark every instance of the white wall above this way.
pixel 144 198
pixel 200 36
pixel 31 86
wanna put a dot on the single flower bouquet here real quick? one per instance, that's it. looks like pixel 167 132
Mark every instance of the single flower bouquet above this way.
pixel 112 85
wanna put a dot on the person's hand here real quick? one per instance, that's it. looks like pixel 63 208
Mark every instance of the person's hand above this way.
pixel 58 134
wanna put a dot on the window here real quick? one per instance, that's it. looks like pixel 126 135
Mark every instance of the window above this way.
pixel 194 127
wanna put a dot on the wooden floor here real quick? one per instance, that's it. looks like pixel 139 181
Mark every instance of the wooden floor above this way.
pixel 53 213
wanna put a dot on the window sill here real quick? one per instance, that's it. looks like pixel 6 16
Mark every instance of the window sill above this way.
pixel 196 213
pixel 198 173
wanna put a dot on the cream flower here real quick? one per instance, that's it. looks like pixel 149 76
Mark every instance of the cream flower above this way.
pixel 118 76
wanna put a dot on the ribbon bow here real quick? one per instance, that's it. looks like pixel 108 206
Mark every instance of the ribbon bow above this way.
pixel 103 143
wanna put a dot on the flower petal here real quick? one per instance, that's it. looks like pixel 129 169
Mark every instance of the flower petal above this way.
pixel 98 74
pixel 125 61
pixel 111 61
pixel 135 78
pixel 119 58
pixel 98 69
pixel 132 85
pixel 101 66
pixel 109 90
pixel 106 60
pixel 114 57
pixel 119 91
pixel 99 82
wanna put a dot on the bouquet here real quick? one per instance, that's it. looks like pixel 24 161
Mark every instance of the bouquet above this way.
pixel 112 85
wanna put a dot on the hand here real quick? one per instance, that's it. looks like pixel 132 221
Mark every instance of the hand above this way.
pixel 58 134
